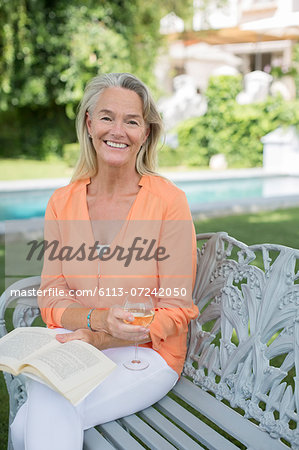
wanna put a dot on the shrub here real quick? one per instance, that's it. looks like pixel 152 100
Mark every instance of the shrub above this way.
pixel 34 132
pixel 232 129
pixel 71 154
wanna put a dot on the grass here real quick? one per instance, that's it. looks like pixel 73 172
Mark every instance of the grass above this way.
pixel 54 167
pixel 24 169
pixel 280 227
pixel 275 227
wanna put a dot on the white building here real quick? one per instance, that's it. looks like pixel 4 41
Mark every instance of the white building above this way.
pixel 244 35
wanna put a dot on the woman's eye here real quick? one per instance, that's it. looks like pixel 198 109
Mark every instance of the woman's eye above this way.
pixel 105 118
pixel 133 122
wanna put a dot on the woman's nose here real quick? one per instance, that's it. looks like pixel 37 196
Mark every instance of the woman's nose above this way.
pixel 117 128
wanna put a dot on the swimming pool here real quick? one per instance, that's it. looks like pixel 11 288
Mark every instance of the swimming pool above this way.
pixel 24 205
pixel 202 194
pixel 221 190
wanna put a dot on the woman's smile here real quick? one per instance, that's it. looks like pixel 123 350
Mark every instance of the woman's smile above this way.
pixel 115 144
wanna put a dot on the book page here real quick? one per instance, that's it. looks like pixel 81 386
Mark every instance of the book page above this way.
pixel 20 343
pixel 75 395
pixel 70 365
pixel 67 363
pixel 70 368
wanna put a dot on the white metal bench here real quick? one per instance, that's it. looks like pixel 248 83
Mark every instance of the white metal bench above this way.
pixel 239 388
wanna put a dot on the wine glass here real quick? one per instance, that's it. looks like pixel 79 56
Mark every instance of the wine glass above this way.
pixel 143 312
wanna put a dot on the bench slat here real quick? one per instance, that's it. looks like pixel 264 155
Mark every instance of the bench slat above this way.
pixel 193 425
pixel 118 436
pixel 168 429
pixel 93 439
pixel 225 417
pixel 148 436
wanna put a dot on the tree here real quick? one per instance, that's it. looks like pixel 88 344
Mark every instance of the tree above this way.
pixel 51 48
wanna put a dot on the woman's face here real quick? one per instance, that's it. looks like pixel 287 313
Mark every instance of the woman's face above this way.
pixel 117 127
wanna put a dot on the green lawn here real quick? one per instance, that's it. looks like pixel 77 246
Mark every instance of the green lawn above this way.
pixel 280 226
pixel 275 227
pixel 24 169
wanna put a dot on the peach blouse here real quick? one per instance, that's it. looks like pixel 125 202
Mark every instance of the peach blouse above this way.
pixel 154 251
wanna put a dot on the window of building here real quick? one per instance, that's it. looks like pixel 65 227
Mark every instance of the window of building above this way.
pixel 260 61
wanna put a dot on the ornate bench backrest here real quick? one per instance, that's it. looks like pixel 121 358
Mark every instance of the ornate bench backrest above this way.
pixel 24 312
pixel 244 345
pixel 19 297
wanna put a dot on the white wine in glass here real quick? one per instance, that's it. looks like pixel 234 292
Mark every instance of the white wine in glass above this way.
pixel 143 312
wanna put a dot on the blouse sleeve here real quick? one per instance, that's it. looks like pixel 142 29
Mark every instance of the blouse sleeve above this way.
pixel 170 322
pixel 55 296
pixel 176 274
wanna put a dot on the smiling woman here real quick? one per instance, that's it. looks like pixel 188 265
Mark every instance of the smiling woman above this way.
pixel 116 201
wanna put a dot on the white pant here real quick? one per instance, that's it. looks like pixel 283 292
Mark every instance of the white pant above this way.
pixel 48 421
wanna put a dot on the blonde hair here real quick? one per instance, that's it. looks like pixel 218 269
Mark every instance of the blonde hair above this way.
pixel 87 165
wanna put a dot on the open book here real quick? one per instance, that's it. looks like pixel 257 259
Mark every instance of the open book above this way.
pixel 73 368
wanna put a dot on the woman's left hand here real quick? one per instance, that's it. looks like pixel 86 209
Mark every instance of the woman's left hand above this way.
pixel 99 339
pixel 91 337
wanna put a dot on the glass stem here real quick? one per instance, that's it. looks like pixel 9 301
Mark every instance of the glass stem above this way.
pixel 136 353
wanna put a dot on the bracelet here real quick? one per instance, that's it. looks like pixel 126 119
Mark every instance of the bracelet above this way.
pixel 88 319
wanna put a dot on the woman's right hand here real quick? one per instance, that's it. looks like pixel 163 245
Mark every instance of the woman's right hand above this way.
pixel 112 321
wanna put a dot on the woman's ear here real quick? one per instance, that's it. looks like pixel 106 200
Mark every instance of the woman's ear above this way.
pixel 88 121
pixel 148 130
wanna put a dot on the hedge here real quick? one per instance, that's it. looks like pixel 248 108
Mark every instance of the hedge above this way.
pixel 229 128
